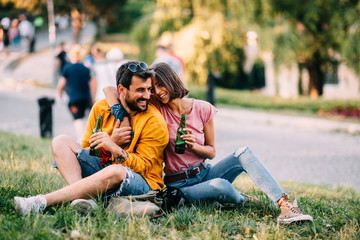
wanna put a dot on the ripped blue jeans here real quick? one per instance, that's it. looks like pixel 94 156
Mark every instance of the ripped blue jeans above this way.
pixel 215 182
pixel 134 184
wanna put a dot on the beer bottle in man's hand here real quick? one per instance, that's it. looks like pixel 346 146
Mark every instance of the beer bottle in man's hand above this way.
pixel 180 143
pixel 97 128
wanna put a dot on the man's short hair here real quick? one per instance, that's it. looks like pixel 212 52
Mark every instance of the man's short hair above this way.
pixel 76 53
pixel 124 75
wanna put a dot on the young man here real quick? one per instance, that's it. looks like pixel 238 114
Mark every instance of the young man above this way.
pixel 76 78
pixel 134 170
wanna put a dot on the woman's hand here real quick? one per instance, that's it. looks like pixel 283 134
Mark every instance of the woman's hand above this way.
pixel 189 138
pixel 121 135
pixel 102 139
pixel 208 149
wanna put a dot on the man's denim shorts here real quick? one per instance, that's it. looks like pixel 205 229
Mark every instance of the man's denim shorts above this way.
pixel 134 184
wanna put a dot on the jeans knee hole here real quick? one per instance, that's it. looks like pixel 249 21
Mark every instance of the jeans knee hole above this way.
pixel 129 173
pixel 239 151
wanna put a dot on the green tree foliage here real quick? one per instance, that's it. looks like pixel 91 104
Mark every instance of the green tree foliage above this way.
pixel 141 34
pixel 126 15
pixel 7 9
pixel 351 45
pixel 207 35
pixel 315 32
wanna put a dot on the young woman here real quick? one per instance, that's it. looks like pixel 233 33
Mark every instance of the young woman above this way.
pixel 188 171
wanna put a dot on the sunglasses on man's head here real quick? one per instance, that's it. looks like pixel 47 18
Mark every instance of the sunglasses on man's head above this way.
pixel 134 67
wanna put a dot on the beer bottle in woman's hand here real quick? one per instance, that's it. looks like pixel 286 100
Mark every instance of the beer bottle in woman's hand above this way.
pixel 180 143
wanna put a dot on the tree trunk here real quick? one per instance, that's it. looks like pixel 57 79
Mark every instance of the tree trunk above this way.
pixel 317 77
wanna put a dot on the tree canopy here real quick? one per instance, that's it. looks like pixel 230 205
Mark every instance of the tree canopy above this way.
pixel 317 34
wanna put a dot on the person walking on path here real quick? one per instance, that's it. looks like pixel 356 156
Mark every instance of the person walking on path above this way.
pixel 27 33
pixel 162 55
pixel 134 170
pixel 4 32
pixel 95 54
pixel 103 72
pixel 76 78
pixel 14 33
pixel 61 59
pixel 189 171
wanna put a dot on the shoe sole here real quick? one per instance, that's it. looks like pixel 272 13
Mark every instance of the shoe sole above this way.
pixel 301 218
pixel 83 207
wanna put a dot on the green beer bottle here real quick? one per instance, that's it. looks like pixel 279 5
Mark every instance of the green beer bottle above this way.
pixel 180 143
pixel 97 128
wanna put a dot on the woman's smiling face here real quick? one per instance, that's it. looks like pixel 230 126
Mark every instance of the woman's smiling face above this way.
pixel 160 92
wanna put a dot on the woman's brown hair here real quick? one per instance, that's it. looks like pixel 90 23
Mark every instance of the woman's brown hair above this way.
pixel 168 78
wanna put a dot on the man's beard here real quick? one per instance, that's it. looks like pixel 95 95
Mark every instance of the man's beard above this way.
pixel 133 105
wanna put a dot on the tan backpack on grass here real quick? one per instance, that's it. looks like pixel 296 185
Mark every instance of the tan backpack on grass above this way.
pixel 153 203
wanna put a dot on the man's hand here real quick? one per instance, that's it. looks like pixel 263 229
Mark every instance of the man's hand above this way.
pixel 102 139
pixel 121 135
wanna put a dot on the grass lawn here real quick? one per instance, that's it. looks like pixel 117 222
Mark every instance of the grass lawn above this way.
pixel 25 170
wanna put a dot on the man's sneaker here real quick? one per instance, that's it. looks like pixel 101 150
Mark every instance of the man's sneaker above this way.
pixel 290 212
pixel 32 204
pixel 84 206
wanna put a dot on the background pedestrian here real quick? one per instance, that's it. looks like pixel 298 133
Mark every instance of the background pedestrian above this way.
pixel 76 78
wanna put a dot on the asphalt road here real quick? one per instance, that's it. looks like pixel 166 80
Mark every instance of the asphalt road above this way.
pixel 293 148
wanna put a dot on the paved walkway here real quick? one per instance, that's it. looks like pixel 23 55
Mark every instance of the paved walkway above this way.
pixel 37 68
pixel 293 148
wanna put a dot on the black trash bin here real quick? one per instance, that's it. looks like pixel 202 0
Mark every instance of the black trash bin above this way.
pixel 45 105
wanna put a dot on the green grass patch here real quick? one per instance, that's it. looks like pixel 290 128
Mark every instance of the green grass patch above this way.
pixel 25 170
pixel 256 100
